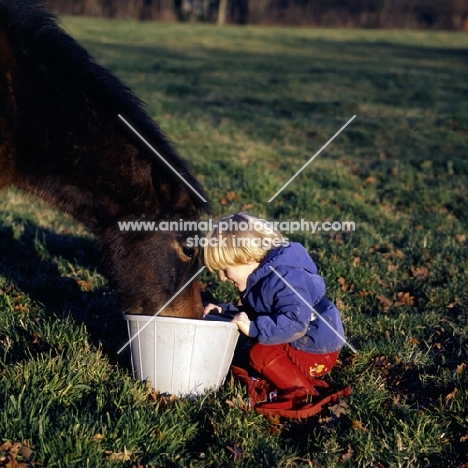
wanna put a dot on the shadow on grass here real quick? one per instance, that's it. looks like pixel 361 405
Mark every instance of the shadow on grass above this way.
pixel 211 74
pixel 33 264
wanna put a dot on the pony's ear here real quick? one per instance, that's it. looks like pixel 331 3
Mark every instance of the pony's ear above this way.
pixel 185 202
pixel 183 198
pixel 178 198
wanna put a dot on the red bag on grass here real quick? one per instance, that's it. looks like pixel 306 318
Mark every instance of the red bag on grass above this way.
pixel 294 405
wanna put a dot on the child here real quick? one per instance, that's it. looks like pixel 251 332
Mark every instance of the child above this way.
pixel 294 345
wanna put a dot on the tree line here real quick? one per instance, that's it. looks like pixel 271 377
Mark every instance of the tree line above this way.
pixel 431 14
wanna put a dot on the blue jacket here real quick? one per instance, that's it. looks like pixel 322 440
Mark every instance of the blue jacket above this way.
pixel 281 315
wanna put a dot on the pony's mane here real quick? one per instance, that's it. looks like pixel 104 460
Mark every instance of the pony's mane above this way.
pixel 46 47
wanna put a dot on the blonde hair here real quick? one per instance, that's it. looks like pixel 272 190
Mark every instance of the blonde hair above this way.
pixel 239 239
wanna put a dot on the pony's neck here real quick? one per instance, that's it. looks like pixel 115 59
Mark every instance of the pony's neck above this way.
pixel 99 202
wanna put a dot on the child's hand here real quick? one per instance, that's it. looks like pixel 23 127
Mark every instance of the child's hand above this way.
pixel 210 307
pixel 243 322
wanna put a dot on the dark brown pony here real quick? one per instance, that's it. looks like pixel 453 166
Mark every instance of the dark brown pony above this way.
pixel 62 140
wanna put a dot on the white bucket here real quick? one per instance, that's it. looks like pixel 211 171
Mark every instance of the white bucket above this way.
pixel 181 356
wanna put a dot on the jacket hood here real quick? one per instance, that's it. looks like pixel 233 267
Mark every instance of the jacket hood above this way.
pixel 294 255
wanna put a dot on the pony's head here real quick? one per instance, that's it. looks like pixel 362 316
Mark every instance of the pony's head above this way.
pixel 62 138
pixel 153 271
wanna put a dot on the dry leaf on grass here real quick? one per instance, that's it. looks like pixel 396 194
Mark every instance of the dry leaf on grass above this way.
pixel 384 300
pixel 339 408
pixel 460 238
pixel 97 438
pixel 229 198
pixel 379 280
pixel 344 285
pixel 358 426
pixel 236 450
pixel 37 339
pixel 439 347
pixel 451 396
pixel 9 451
pixel 163 401
pixel 348 455
pixel 85 286
pixel 275 422
pixel 404 298
pixel 340 304
pixel 365 293
pixel 119 456
pixel 419 272
pixel 371 180
pixel 26 453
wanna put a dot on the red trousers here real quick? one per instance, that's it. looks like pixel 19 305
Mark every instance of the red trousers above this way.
pixel 288 368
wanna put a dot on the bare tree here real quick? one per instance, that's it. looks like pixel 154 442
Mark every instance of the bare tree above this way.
pixel 222 11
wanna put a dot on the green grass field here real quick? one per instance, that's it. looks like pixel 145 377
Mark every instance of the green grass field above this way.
pixel 248 107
